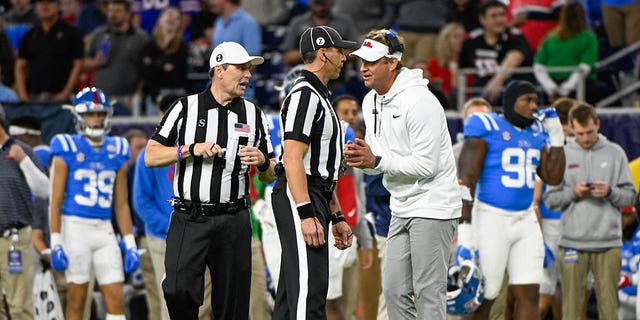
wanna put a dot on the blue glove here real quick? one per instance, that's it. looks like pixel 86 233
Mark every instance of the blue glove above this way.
pixel 549 258
pixel 59 260
pixel 463 253
pixel 131 260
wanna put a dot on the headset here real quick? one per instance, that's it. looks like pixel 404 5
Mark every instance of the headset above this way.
pixel 395 46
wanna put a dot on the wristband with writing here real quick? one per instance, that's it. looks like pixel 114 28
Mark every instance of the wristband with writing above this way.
pixel 337 217
pixel 306 211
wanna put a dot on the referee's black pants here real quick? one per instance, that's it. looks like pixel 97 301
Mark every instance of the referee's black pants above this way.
pixel 304 271
pixel 222 242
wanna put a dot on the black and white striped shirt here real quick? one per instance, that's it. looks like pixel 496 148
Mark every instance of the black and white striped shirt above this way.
pixel 199 118
pixel 308 116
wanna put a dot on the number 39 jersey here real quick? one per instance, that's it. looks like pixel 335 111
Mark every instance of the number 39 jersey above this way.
pixel 512 158
pixel 92 173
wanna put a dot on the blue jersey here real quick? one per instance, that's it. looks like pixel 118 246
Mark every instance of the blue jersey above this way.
pixel 276 137
pixel 92 173
pixel 512 158
pixel 630 258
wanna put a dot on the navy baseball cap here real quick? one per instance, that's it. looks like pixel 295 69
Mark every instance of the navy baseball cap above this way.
pixel 318 37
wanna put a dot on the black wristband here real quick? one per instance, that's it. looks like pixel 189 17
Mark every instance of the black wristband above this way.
pixel 191 147
pixel 265 166
pixel 306 211
pixel 337 217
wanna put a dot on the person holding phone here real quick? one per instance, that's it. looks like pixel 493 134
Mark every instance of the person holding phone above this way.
pixel 597 182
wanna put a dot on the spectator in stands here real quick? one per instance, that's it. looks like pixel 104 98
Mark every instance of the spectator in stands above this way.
pixel 92 15
pixel 69 10
pixel 114 54
pixel 622 21
pixel 493 50
pixel 7 59
pixel 235 25
pixel 569 44
pixel 597 182
pixel 419 22
pixel 7 94
pixel 146 13
pixel 50 57
pixel 535 18
pixel 22 174
pixel 464 12
pixel 320 14
pixel 18 20
pixel 628 280
pixel 366 14
pixel 442 69
pixel 164 60
pixel 267 12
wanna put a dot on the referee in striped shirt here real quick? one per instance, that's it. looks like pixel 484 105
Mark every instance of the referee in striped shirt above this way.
pixel 304 201
pixel 213 137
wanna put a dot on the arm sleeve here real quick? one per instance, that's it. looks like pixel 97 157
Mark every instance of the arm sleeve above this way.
pixel 424 124
pixel 264 138
pixel 36 179
pixel 623 191
pixel 557 198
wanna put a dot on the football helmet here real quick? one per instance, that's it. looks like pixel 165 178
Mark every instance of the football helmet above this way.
pixel 465 288
pixel 92 100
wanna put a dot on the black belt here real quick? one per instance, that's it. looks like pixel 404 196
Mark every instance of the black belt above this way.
pixel 211 208
pixel 326 184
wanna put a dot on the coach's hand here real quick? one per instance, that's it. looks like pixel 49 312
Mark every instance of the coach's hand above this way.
pixel 466 246
pixel 59 260
pixel 313 232
pixel 342 234
pixel 359 154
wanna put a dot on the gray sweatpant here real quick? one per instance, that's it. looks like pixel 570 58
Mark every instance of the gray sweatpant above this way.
pixel 415 280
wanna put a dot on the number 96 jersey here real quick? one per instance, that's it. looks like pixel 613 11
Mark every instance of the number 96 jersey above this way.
pixel 512 158
pixel 92 173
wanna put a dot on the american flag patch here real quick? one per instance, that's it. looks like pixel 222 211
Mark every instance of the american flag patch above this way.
pixel 242 127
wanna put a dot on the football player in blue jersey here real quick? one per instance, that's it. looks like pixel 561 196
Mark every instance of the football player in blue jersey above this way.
pixel 89 182
pixel 499 161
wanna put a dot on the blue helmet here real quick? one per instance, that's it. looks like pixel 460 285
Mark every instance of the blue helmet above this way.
pixel 465 288
pixel 92 100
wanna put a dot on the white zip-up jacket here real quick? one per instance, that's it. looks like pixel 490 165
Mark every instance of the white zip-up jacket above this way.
pixel 407 127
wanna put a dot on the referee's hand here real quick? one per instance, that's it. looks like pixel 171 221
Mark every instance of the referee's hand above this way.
pixel 313 232
pixel 207 149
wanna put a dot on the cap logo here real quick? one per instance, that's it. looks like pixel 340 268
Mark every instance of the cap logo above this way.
pixel 219 57
pixel 320 41
pixel 368 44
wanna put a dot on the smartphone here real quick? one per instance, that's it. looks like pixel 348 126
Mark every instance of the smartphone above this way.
pixel 589 185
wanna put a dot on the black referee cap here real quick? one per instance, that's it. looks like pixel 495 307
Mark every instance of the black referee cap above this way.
pixel 318 37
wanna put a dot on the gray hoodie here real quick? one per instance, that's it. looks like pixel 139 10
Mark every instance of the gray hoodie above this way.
pixel 592 223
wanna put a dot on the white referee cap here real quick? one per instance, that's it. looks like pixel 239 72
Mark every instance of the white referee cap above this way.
pixel 232 53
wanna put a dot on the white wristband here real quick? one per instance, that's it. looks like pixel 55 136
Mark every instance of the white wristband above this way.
pixel 129 241
pixel 56 240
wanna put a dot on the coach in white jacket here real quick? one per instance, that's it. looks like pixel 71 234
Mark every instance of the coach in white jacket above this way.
pixel 407 139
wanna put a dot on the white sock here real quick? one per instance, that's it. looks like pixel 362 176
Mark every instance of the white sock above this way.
pixel 115 317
